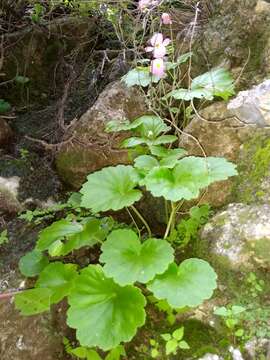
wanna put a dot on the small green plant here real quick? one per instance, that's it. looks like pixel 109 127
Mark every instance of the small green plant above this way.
pixel 233 318
pixel 187 229
pixel 4 106
pixel 91 354
pixel 97 294
pixel 154 348
pixel 36 16
pixel 175 341
pixel 3 237
pixel 256 286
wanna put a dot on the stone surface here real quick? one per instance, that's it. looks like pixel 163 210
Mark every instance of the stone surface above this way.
pixel 240 236
pixel 237 34
pixel 5 133
pixel 9 203
pixel 216 132
pixel 91 147
pixel 253 106
pixel 209 356
pixel 26 338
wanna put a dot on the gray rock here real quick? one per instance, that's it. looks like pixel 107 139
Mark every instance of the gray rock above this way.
pixel 253 106
pixel 9 203
pixel 26 338
pixel 240 236
pixel 215 132
pixel 91 148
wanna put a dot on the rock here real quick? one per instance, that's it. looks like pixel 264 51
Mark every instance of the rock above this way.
pixel 239 236
pixel 209 356
pixel 253 106
pixel 216 132
pixel 236 354
pixel 237 33
pixel 9 204
pixel 256 347
pixel 91 148
pixel 26 338
pixel 5 133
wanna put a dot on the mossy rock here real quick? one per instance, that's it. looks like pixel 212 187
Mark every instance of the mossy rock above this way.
pixel 253 185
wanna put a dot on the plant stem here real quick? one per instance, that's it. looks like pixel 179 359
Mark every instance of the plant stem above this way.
pixel 142 220
pixel 171 220
pixel 166 210
pixel 134 222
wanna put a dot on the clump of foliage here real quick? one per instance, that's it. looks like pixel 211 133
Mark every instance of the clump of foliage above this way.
pixel 102 296
pixel 107 299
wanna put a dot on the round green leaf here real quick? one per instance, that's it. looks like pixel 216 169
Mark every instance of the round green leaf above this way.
pixel 57 231
pixel 59 278
pixel 34 301
pixel 33 263
pixel 111 188
pixel 145 162
pixel 104 313
pixel 189 176
pixel 127 260
pixel 188 284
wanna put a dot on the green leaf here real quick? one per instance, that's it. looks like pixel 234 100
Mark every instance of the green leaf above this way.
pixel 34 301
pixel 189 176
pixel 33 263
pixel 84 353
pixel 187 95
pixel 115 354
pixel 135 141
pixel 171 346
pixel 92 233
pixel 184 345
pixel 166 337
pixel 58 230
pixel 145 162
pixel 111 188
pixel 3 237
pixel 140 76
pixel 127 260
pixel 216 82
pixel 59 278
pixel 22 79
pixel 239 332
pixel 181 59
pixel 117 125
pixel 178 333
pixel 237 309
pixel 188 284
pixel 132 142
pixel 219 81
pixel 163 152
pixel 149 126
pixel 104 313
pixel 154 353
pixel 4 106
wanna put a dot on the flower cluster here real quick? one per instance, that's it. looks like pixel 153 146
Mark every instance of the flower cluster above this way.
pixel 158 43
pixel 159 50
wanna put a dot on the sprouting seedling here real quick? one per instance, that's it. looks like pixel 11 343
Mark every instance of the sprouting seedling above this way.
pixel 175 341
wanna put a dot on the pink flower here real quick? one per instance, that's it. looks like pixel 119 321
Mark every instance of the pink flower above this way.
pixel 166 19
pixel 158 46
pixel 145 4
pixel 158 67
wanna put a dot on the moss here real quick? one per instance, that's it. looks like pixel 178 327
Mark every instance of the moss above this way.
pixel 254 167
pixel 261 249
